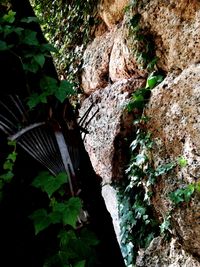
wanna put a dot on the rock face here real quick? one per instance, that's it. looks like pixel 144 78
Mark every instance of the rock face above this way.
pixel 174 26
pixel 160 253
pixel 110 74
pixel 108 129
pixel 176 103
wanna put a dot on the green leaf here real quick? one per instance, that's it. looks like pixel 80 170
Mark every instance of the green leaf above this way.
pixel 29 37
pixel 64 90
pixel 80 264
pixel 165 225
pixel 33 100
pixel 49 84
pixel 49 48
pixel 69 210
pixel 89 237
pixel 7 177
pixel 182 162
pixel 12 156
pixel 188 192
pixel 40 219
pixel 40 59
pixel 65 237
pixel 4 46
pixel 165 168
pixel 30 19
pixel 49 183
pixel 151 82
pixel 10 17
pixel 31 66
pixel 8 165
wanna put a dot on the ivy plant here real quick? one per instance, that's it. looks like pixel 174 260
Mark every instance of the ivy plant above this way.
pixel 76 242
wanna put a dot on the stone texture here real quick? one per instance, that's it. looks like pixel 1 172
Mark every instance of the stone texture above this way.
pixel 96 59
pixel 122 63
pixel 110 196
pixel 174 111
pixel 108 59
pixel 162 254
pixel 105 142
pixel 111 11
pixel 174 26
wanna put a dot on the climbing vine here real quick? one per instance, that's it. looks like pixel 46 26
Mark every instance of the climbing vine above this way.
pixel 67 25
pixel 75 242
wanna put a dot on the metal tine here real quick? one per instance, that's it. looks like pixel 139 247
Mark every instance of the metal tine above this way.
pixel 52 155
pixel 84 117
pixel 51 147
pixel 9 111
pixel 8 121
pixel 4 127
pixel 38 146
pixel 19 106
pixel 35 156
pixel 31 149
pixel 44 150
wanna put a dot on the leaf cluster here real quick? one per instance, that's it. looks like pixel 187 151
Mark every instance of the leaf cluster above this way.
pixel 8 167
pixel 23 43
pixel 67 25
pixel 75 245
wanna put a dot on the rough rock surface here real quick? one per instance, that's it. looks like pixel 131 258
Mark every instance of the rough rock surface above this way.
pixel 174 111
pixel 162 254
pixel 110 74
pixel 112 11
pixel 122 63
pixel 96 63
pixel 174 26
pixel 108 59
pixel 105 142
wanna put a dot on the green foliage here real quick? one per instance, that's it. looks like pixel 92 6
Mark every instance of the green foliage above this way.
pixel 22 43
pixel 8 166
pixel 25 45
pixel 183 194
pixel 67 25
pixel 182 162
pixel 48 183
pixel 141 96
pixel 166 225
pixel 75 245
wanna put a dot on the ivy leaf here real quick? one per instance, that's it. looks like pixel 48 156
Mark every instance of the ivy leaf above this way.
pixel 64 90
pixel 30 19
pixel 49 48
pixel 8 165
pixel 40 219
pixel 7 177
pixel 4 46
pixel 49 183
pixel 65 237
pixel 48 84
pixel 12 156
pixel 40 59
pixel 162 169
pixel 177 196
pixel 30 38
pixel 89 237
pixel 69 210
pixel 31 66
pixel 188 192
pixel 182 162
pixel 80 264
pixel 10 17
pixel 33 100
